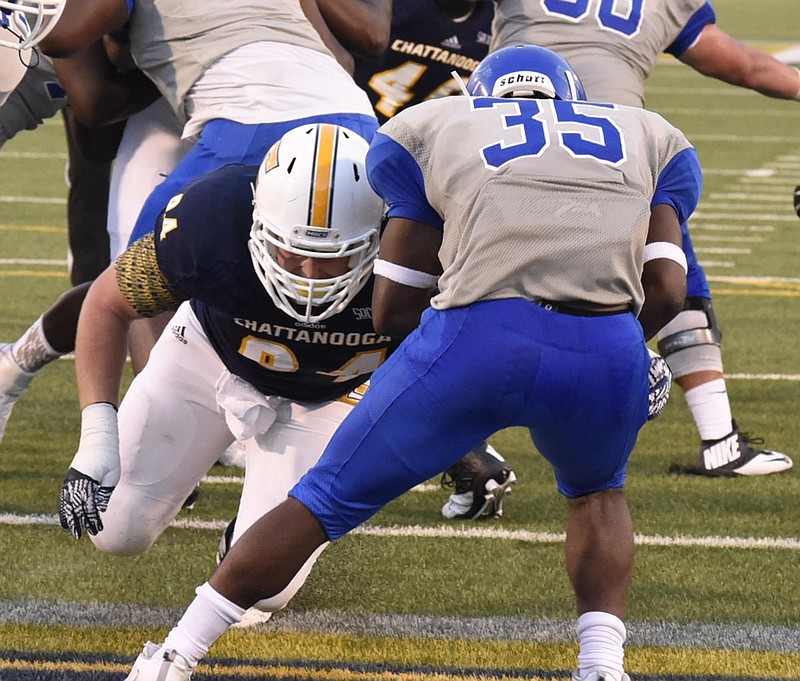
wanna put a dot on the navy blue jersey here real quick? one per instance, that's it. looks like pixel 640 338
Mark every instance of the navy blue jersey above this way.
pixel 425 45
pixel 202 251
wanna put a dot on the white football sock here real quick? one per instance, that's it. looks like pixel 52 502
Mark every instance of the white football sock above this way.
pixel 600 637
pixel 32 351
pixel 205 620
pixel 711 409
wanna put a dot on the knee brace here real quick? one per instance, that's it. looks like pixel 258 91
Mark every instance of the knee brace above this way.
pixel 691 341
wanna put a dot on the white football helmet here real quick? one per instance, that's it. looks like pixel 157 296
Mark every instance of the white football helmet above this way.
pixel 312 199
pixel 25 22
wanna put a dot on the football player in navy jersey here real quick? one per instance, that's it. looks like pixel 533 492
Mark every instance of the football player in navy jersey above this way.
pixel 429 40
pixel 270 345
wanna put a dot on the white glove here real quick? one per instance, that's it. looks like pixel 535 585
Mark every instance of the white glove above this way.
pixel 660 383
pixel 94 471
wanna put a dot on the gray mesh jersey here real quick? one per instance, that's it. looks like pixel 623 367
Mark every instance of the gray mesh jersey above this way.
pixel 175 41
pixel 38 96
pixel 541 199
pixel 611 55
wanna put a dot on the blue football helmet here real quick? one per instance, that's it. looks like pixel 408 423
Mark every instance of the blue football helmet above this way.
pixel 525 71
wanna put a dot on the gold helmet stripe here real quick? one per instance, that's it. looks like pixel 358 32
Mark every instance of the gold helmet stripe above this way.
pixel 322 189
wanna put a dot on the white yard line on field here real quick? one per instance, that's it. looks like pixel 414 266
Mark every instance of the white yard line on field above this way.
pixel 32 261
pixel 33 155
pixel 757 217
pixel 33 199
pixel 446 532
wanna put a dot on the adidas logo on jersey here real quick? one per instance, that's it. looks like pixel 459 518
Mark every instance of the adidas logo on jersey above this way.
pixel 452 43
pixel 180 333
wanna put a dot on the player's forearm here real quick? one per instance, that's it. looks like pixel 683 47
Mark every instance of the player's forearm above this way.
pixel 718 55
pixel 665 292
pixel 98 93
pixel 771 77
pixel 101 344
pixel 82 23
pixel 332 42
pixel 362 26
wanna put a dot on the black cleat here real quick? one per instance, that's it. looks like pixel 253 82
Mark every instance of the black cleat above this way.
pixel 481 481
pixel 734 455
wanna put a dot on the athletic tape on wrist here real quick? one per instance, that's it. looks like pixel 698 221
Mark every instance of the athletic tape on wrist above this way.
pixel 98 451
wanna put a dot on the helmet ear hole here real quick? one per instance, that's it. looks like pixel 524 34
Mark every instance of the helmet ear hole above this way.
pixel 312 200
pixel 525 71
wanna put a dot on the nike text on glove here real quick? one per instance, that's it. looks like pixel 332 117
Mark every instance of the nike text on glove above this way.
pixel 94 471
pixel 660 383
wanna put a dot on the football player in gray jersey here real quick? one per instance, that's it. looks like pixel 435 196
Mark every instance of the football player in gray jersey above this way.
pixel 613 52
pixel 485 193
pixel 427 41
pixel 315 86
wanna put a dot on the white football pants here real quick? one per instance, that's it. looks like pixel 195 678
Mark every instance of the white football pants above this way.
pixel 149 150
pixel 174 425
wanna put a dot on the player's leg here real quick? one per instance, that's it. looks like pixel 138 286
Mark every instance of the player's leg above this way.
pixel 276 459
pixel 171 433
pixel 600 579
pixel 373 457
pixel 150 148
pixel 91 153
pixel 605 384
pixel 691 344
pixel 48 338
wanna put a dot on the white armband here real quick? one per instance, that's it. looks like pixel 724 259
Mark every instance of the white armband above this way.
pixel 797 96
pixel 404 275
pixel 665 249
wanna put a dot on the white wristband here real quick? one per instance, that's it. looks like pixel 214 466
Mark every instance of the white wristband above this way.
pixel 98 452
pixel 667 250
pixel 404 275
pixel 797 96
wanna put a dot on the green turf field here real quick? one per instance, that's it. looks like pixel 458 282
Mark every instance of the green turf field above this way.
pixel 410 596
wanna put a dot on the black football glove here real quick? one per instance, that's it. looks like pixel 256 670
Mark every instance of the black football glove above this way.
pixel 81 502
pixel 797 200
pixel 660 383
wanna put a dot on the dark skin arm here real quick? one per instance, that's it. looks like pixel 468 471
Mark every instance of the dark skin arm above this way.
pixel 83 23
pixel 332 42
pixel 98 92
pixel 396 308
pixel 362 26
pixel 664 280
